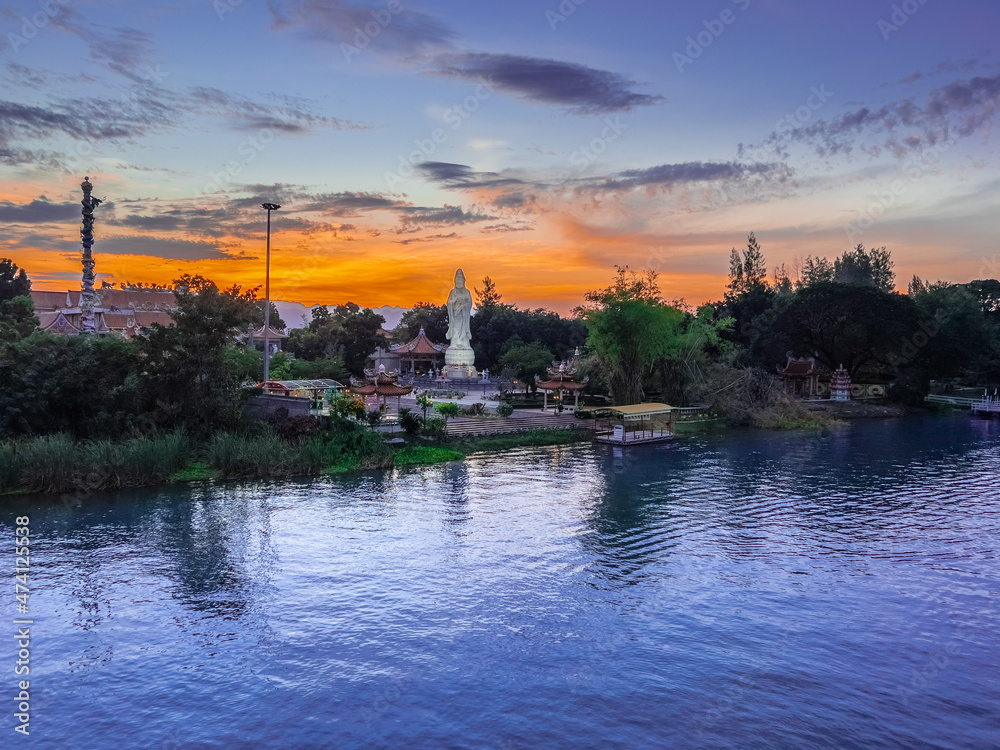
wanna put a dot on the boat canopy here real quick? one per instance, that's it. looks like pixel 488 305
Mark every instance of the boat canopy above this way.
pixel 638 411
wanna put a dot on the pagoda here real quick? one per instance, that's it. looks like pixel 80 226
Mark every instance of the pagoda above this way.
pixel 561 379
pixel 840 385
pixel 380 384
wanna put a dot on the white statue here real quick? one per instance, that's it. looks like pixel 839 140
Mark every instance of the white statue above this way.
pixel 459 358
pixel 459 312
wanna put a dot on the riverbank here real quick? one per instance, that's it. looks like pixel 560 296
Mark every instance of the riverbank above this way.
pixel 57 464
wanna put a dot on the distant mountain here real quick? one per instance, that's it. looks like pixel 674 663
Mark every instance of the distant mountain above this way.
pixel 297 315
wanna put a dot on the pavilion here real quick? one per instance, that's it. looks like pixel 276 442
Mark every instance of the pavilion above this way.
pixel 380 384
pixel 421 350
pixel 561 380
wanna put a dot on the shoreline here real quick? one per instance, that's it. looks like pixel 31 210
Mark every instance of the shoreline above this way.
pixel 192 466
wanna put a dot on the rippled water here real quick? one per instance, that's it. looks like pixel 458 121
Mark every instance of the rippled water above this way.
pixel 836 589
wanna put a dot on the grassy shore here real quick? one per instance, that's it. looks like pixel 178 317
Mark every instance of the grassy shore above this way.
pixel 58 464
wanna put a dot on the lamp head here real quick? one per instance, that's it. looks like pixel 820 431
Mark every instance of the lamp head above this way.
pixel 270 206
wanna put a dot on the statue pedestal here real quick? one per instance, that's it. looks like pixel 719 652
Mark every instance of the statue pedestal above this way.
pixel 460 362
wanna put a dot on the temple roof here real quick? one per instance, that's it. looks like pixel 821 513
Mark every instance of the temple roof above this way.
pixel 798 367
pixel 420 345
pixel 274 333
pixel 379 383
pixel 113 299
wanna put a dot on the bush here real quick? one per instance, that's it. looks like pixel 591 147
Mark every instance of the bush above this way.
pixel 505 409
pixel 584 414
pixel 434 426
pixel 448 410
pixel 410 422
pixel 476 410
pixel 248 456
pixel 373 417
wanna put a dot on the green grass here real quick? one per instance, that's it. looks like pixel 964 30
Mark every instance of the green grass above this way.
pixel 344 465
pixel 532 438
pixel 425 455
pixel 193 472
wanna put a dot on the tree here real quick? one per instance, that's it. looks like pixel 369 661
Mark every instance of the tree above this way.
pixel 749 295
pixel 854 325
pixel 447 410
pixel 14 282
pixel 527 361
pixel 349 332
pixel 17 313
pixel 859 266
pixel 489 297
pixel 629 329
pixel 433 319
pixel 188 376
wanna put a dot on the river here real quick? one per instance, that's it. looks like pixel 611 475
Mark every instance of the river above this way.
pixel 836 588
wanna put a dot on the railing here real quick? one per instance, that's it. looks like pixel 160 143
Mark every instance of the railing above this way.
pixel 951 400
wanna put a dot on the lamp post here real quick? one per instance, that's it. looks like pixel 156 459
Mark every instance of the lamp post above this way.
pixel 269 207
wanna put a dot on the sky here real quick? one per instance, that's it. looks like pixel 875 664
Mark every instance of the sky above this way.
pixel 540 143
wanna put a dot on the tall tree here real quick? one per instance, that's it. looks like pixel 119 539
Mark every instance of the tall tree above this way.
pixel 489 296
pixel 432 318
pixel 629 329
pixel 349 332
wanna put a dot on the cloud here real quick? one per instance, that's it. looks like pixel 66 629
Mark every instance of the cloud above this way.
pixel 158 247
pixel 670 175
pixel 350 203
pixel 581 89
pixel 39 212
pixel 960 108
pixel 503 228
pixel 429 238
pixel 406 33
pixel 450 215
pixel 462 176
pixel 247 114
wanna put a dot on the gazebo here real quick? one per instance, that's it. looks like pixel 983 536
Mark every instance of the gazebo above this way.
pixel 380 384
pixel 560 379
pixel 301 388
pixel 635 424
pixel 420 349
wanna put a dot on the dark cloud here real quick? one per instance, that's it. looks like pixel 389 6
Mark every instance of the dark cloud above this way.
pixel 958 109
pixel 157 247
pixel 404 34
pixel 250 115
pixel 350 203
pixel 39 212
pixel 429 238
pixel 580 89
pixel 462 176
pixel 503 228
pixel 671 175
pixel 450 215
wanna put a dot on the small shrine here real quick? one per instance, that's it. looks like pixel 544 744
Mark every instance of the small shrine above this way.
pixel 840 385
pixel 421 351
pixel 274 339
pixel 380 384
pixel 560 380
pixel 799 377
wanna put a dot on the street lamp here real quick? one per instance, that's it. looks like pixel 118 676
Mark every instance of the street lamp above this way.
pixel 269 207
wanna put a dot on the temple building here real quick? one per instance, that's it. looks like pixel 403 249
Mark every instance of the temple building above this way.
pixel 799 377
pixel 119 311
pixel 100 311
pixel 380 384
pixel 417 356
pixel 560 380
